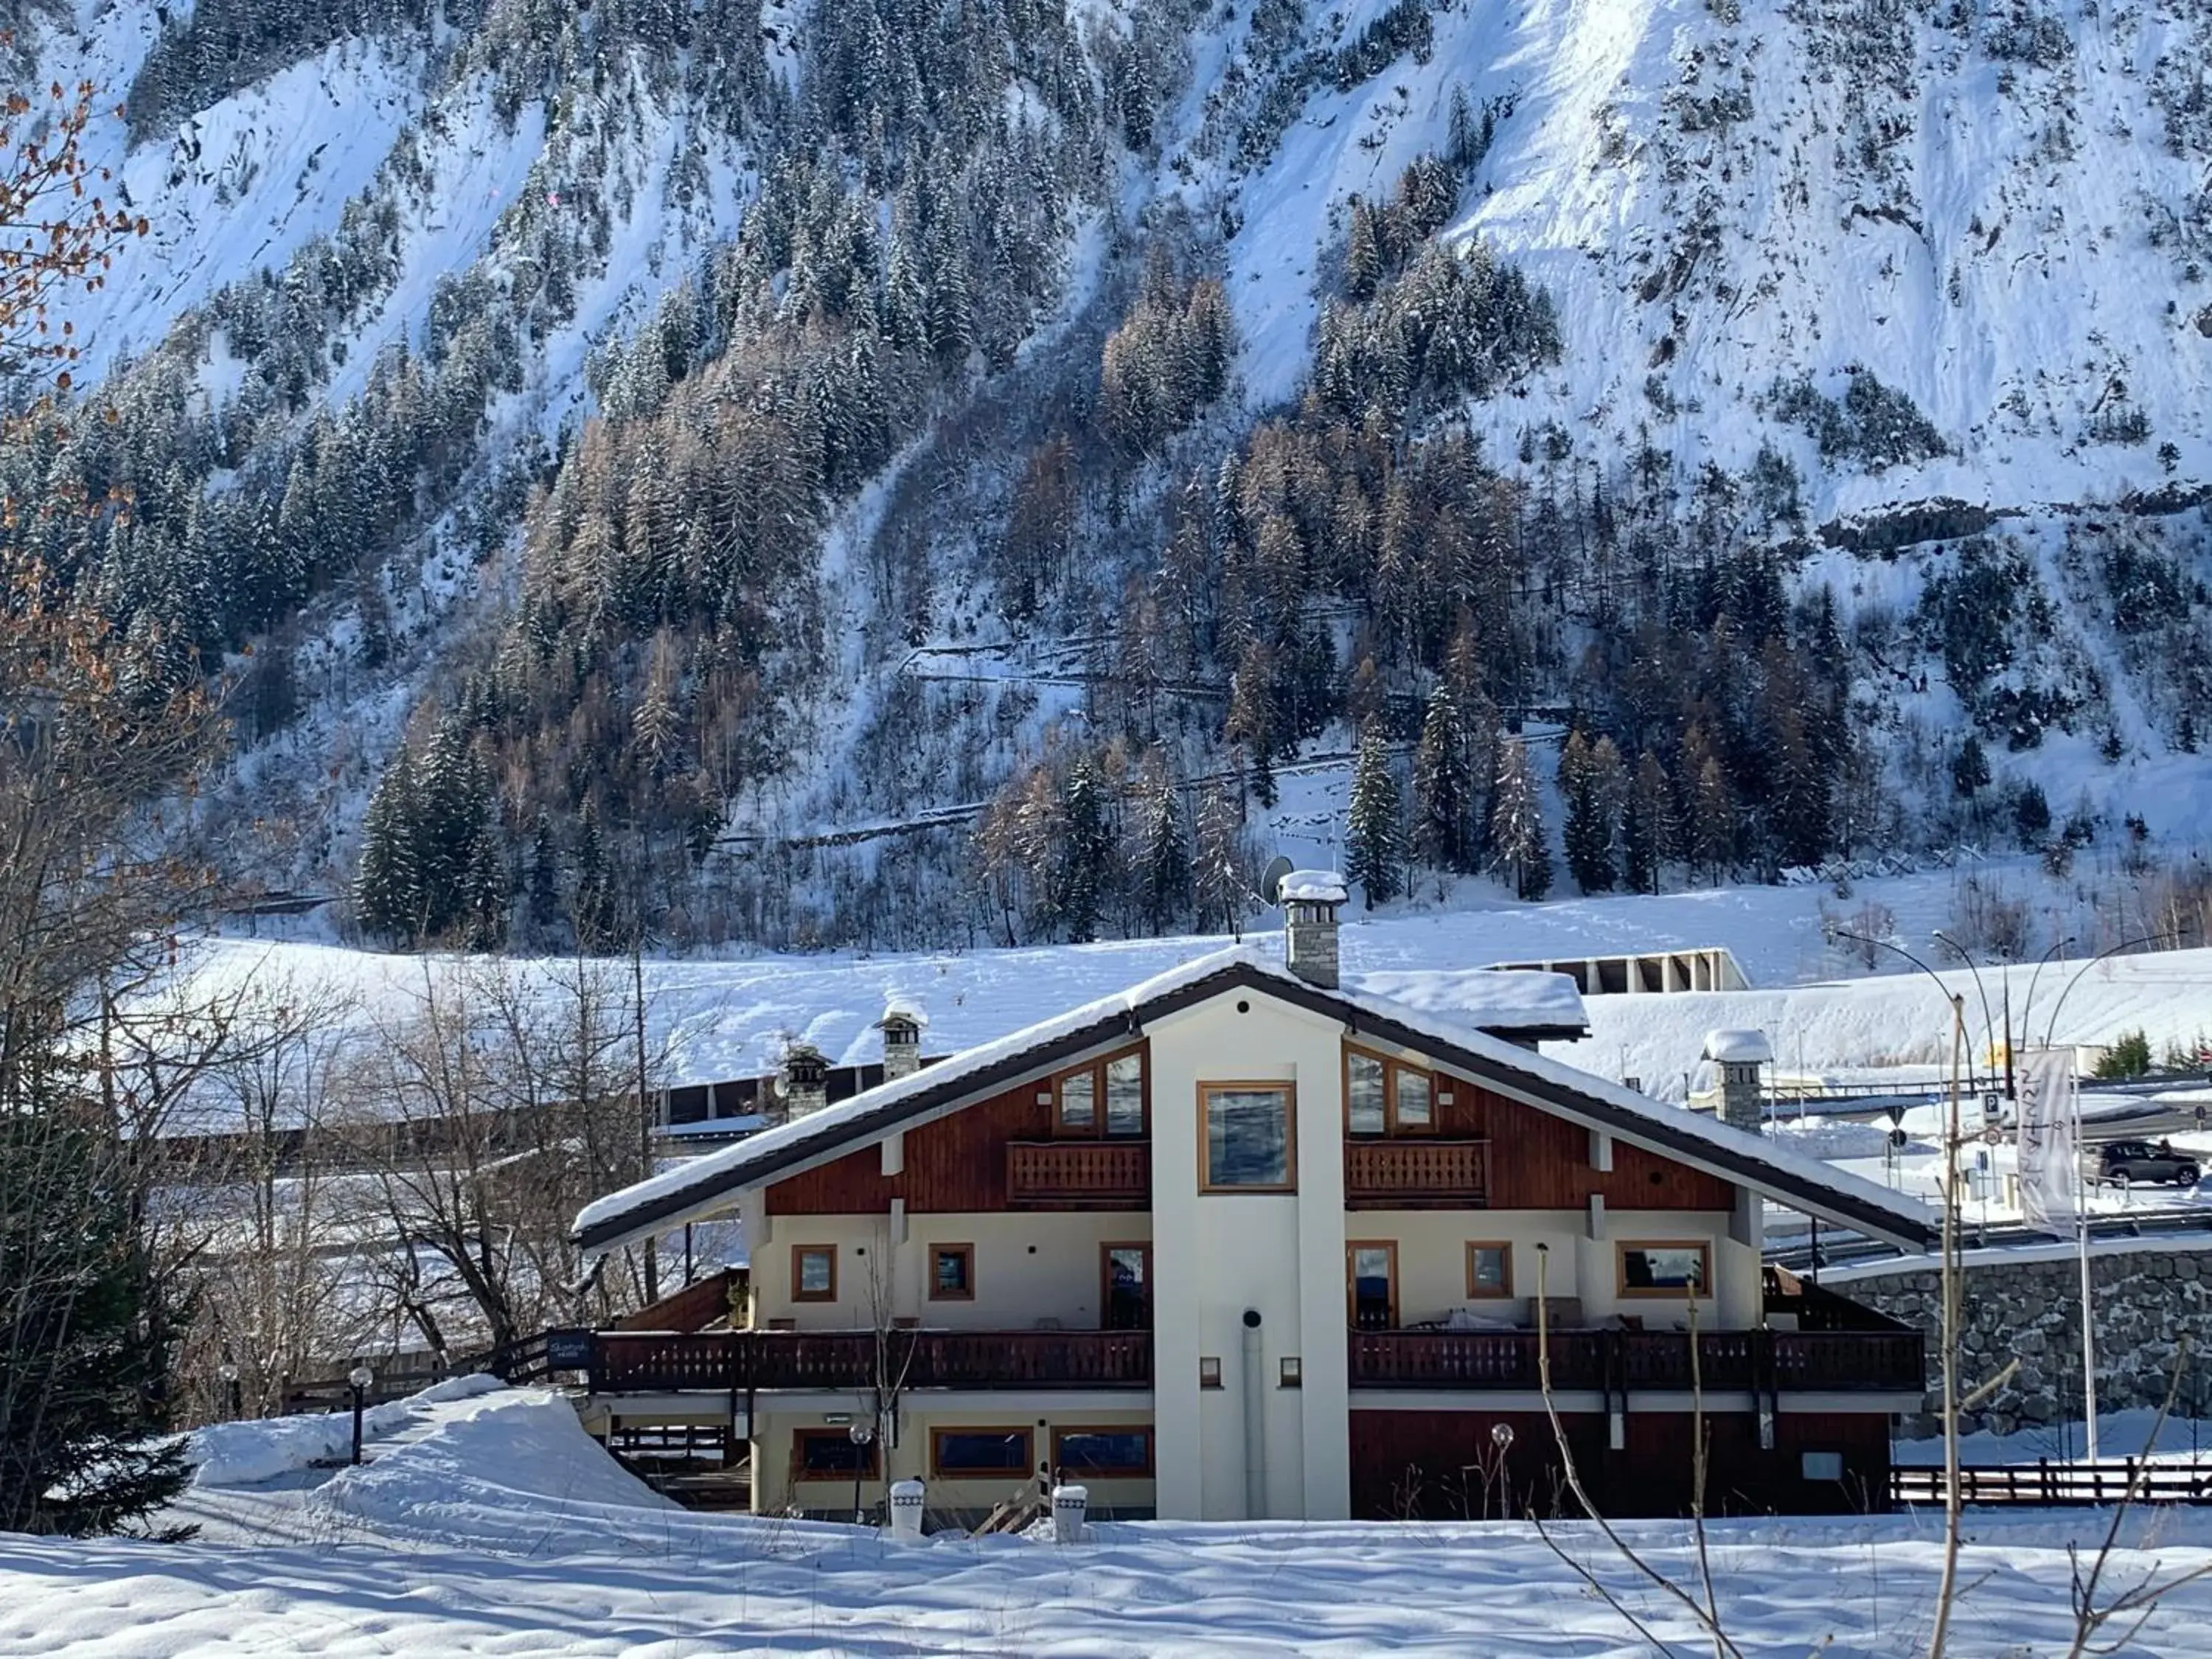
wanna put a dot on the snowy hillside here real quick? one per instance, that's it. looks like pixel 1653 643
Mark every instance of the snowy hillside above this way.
pixel 758 458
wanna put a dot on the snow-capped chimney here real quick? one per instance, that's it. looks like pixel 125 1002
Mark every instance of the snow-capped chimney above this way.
pixel 806 1080
pixel 1740 1055
pixel 1310 899
pixel 901 1026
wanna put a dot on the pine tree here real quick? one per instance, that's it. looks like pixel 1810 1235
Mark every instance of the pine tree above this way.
pixel 1363 257
pixel 1590 785
pixel 1712 820
pixel 1970 769
pixel 1443 791
pixel 1086 852
pixel 388 898
pixel 1220 881
pixel 83 1371
pixel 1166 871
pixel 1648 831
pixel 1519 842
pixel 1374 838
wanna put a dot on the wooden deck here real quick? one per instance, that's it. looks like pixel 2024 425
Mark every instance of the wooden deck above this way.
pixel 625 1362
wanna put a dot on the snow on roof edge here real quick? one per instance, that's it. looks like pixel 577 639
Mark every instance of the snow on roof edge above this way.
pixel 824 1126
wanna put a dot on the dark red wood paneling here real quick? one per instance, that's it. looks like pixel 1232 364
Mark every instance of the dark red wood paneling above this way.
pixel 1445 1465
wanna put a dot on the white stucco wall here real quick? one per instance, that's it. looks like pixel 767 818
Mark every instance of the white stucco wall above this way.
pixel 1028 1266
pixel 1218 1254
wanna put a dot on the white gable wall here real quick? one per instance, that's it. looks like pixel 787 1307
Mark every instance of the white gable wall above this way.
pixel 1216 1254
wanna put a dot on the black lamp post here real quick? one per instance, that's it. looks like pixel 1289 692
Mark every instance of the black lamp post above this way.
pixel 2051 1031
pixel 1989 1023
pixel 860 1434
pixel 360 1378
pixel 232 1406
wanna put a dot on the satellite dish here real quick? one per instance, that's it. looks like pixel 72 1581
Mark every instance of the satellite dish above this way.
pixel 1270 878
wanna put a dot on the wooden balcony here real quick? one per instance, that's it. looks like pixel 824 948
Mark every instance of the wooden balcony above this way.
pixel 626 1362
pixel 1090 1175
pixel 1841 1362
pixel 1412 1175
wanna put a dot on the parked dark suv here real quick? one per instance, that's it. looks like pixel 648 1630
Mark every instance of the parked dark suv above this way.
pixel 2133 1161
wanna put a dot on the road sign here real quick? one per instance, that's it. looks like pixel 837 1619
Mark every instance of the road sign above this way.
pixel 1899 1138
pixel 1992 1106
pixel 1993 1136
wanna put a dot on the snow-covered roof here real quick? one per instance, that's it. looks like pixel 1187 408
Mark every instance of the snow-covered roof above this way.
pixel 1312 887
pixel 711 1184
pixel 1738 1046
pixel 1487 998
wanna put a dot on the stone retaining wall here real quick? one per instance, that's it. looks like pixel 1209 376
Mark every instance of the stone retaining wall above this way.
pixel 2148 1296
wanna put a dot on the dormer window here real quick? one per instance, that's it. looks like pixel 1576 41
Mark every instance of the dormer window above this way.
pixel 1105 1097
pixel 1387 1096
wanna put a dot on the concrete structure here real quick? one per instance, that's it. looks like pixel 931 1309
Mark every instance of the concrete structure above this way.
pixel 1240 1243
pixel 1632 973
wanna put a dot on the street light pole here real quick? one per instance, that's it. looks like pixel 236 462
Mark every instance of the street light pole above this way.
pixel 360 1378
pixel 1989 1024
pixel 860 1434
pixel 231 1404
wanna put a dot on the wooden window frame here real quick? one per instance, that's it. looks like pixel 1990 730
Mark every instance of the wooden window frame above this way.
pixel 1351 1249
pixel 1623 1289
pixel 801 1475
pixel 799 1293
pixel 1474 1291
pixel 1143 1247
pixel 938 1472
pixel 1392 1066
pixel 1289 1091
pixel 967 1254
pixel 1096 1069
pixel 1060 1464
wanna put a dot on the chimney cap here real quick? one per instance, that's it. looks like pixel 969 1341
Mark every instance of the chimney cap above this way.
pixel 897 1013
pixel 1312 887
pixel 1733 1046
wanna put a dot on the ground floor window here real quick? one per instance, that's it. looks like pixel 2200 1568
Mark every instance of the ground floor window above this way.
pixel 957 1454
pixel 1104 1454
pixel 830 1454
pixel 1489 1271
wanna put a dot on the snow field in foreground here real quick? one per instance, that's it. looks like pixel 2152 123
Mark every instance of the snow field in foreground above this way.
pixel 502 1529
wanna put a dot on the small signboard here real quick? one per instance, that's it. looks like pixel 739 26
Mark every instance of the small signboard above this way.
pixel 568 1351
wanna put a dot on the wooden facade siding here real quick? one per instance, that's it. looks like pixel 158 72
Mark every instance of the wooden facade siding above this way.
pixel 1540 1162
pixel 1446 1465
pixel 952 1164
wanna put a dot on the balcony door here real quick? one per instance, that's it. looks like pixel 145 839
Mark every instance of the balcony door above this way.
pixel 1370 1272
pixel 1126 1290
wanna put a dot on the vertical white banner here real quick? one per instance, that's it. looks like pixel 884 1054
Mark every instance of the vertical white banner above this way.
pixel 2047 1175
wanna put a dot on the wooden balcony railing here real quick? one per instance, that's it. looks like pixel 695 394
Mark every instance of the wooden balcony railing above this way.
pixel 1095 1174
pixel 1728 1361
pixel 627 1362
pixel 1408 1174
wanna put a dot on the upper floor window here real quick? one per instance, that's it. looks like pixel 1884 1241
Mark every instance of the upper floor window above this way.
pixel 1104 1096
pixel 1677 1270
pixel 1387 1096
pixel 1250 1138
pixel 814 1273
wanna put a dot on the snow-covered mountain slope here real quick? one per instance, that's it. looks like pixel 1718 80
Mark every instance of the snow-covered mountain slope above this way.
pixel 1994 210
pixel 1921 281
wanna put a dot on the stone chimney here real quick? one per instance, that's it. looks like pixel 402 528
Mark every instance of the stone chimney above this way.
pixel 806 1080
pixel 901 1026
pixel 1310 900
pixel 1739 1054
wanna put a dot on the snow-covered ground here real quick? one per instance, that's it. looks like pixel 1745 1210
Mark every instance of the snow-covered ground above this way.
pixel 502 1529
